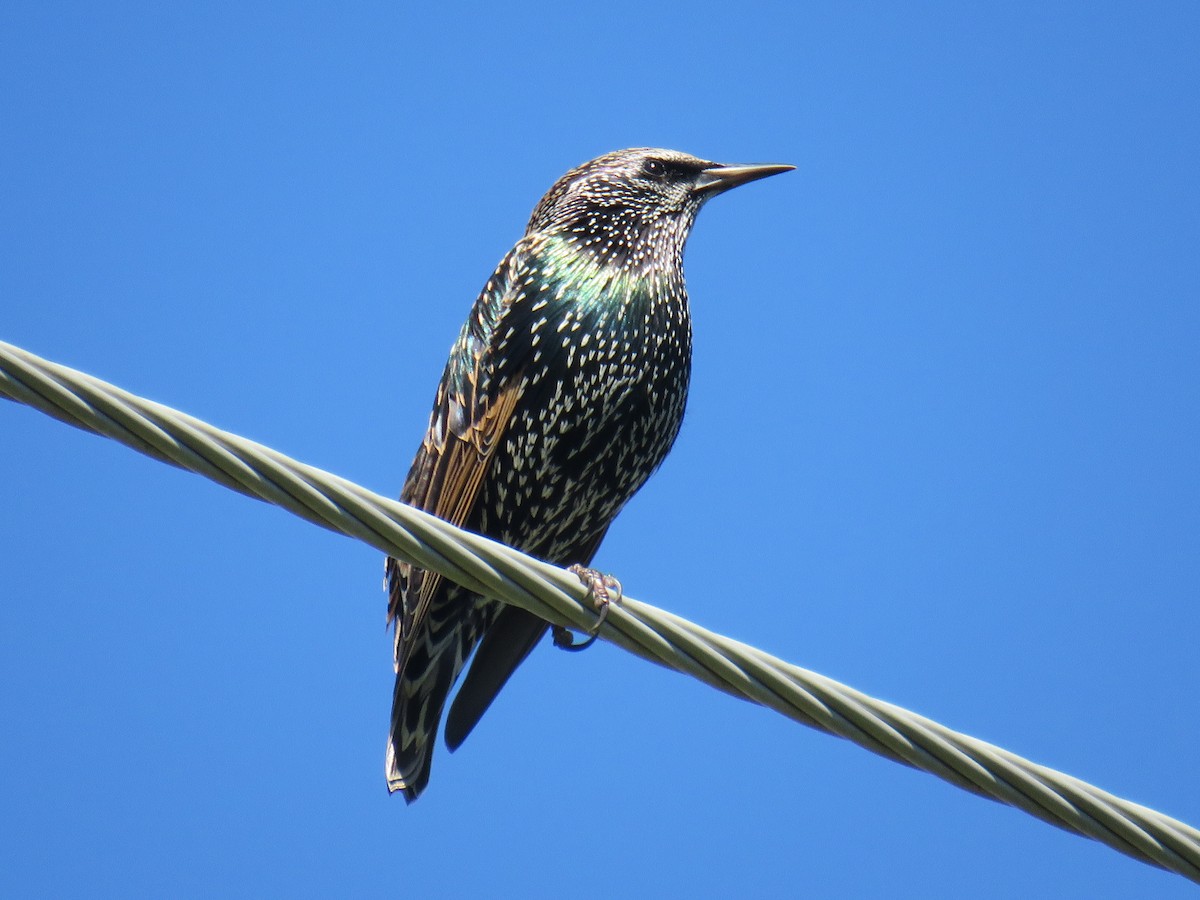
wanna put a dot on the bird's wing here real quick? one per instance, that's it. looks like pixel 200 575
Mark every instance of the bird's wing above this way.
pixel 437 623
pixel 445 481
pixel 472 410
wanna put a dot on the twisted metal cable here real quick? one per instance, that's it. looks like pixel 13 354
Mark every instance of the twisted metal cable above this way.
pixel 556 595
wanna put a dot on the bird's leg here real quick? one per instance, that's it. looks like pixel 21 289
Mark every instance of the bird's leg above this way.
pixel 601 588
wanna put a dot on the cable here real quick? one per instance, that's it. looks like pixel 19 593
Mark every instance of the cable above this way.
pixel 556 595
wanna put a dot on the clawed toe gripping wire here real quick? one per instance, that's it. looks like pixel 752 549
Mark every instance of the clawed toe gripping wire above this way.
pixel 489 568
pixel 600 590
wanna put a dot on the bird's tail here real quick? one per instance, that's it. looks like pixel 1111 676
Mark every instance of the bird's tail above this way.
pixel 416 711
pixel 427 665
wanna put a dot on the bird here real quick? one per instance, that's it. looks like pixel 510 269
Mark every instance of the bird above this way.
pixel 563 393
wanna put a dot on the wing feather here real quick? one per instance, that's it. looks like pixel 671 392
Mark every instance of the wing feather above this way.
pixel 471 412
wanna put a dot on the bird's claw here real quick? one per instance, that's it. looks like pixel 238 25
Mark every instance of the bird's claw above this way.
pixel 601 588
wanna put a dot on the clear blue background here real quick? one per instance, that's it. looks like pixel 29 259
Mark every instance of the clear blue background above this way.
pixel 942 442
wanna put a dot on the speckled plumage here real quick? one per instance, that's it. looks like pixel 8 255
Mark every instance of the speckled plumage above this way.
pixel 563 393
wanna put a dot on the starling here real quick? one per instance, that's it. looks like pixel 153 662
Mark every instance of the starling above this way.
pixel 563 393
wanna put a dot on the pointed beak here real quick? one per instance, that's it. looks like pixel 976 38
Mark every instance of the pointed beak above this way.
pixel 718 178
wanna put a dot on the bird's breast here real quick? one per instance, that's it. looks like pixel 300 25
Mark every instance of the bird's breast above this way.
pixel 604 385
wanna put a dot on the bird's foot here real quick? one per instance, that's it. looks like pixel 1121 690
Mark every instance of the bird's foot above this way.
pixel 601 588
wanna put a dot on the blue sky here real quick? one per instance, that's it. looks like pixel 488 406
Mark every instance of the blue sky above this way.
pixel 941 444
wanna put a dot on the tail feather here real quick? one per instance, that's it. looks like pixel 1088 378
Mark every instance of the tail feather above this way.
pixel 416 710
pixel 505 645
pixel 425 673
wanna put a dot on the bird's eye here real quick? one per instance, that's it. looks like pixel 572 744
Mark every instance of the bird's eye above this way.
pixel 655 168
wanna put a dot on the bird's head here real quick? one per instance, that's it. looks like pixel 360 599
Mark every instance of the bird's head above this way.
pixel 636 207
